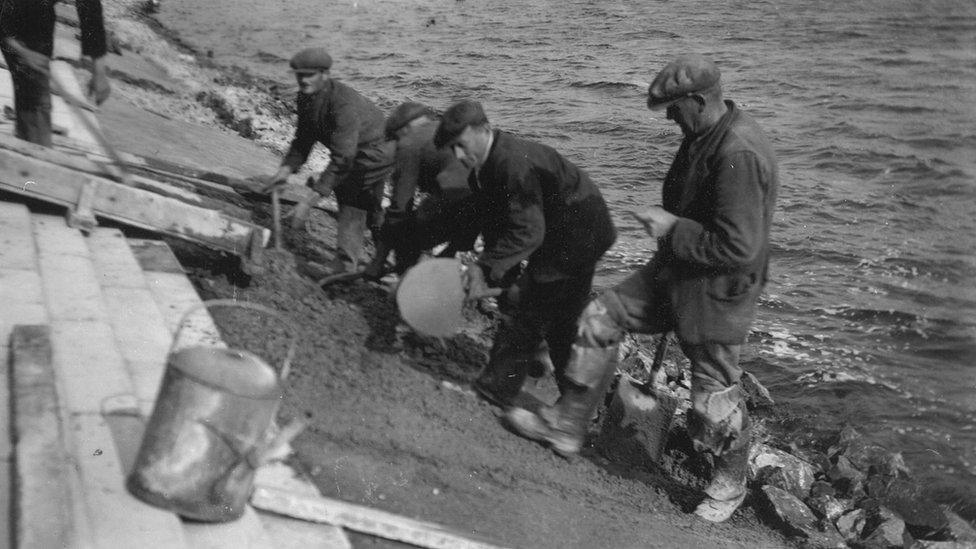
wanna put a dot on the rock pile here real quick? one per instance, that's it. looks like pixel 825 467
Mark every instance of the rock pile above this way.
pixel 854 494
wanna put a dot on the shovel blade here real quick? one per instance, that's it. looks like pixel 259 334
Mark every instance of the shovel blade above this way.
pixel 638 421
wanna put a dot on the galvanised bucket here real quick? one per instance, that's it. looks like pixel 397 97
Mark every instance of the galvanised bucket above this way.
pixel 209 427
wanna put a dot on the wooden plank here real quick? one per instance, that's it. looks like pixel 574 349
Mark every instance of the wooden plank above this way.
pixel 31 177
pixel 227 200
pixel 45 514
pixel 362 519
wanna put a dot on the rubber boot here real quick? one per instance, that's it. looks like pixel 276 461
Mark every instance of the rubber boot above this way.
pixel 563 426
pixel 727 489
pixel 350 233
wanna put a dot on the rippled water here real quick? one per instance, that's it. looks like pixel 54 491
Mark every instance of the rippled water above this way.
pixel 870 317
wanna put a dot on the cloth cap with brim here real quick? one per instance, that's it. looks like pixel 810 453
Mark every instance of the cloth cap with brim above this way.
pixel 404 114
pixel 680 78
pixel 455 119
pixel 311 60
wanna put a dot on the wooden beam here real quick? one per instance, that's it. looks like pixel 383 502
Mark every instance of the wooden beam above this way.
pixel 42 478
pixel 362 519
pixel 50 182
pixel 184 192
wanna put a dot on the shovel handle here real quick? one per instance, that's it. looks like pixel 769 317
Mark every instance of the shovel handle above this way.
pixel 276 216
pixel 662 349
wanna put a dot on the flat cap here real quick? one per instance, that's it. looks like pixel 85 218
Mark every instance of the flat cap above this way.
pixel 403 115
pixel 311 59
pixel 680 78
pixel 457 117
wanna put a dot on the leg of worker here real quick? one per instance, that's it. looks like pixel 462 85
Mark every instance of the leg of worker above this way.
pixel 718 423
pixel 591 363
pixel 32 101
pixel 360 198
pixel 520 332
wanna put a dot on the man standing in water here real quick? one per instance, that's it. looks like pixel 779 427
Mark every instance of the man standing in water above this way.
pixel 351 126
pixel 537 208
pixel 443 214
pixel 703 282
pixel 27 42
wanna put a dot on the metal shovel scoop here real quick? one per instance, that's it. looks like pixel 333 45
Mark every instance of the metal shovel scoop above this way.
pixel 639 418
pixel 431 297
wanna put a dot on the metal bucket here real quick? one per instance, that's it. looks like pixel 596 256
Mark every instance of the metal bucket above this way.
pixel 209 426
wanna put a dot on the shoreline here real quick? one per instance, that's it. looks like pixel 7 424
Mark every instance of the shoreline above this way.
pixel 230 99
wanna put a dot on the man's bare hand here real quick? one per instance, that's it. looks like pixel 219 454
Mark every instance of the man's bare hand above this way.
pixel 475 285
pixel 657 221
pixel 276 181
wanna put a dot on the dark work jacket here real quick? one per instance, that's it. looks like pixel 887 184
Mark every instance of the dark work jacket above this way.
pixel 32 22
pixel 339 118
pixel 418 164
pixel 722 186
pixel 542 208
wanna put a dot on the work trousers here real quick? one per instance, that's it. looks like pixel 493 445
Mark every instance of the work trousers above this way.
pixel 32 100
pixel 640 304
pixel 535 314
pixel 359 194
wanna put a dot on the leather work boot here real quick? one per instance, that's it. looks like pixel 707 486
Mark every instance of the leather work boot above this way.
pixel 563 426
pixel 538 427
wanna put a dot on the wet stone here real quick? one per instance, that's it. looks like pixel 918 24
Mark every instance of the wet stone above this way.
pixel 923 517
pixel 768 465
pixel 889 533
pixel 789 509
pixel 846 478
pixel 826 506
pixel 927 544
pixel 851 524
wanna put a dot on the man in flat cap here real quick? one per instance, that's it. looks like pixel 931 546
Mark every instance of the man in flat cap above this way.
pixel 351 127
pixel 703 282
pixel 538 209
pixel 443 214
pixel 27 42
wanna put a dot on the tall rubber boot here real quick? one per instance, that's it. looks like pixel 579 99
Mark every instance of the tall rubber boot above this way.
pixel 501 380
pixel 351 233
pixel 563 426
pixel 722 427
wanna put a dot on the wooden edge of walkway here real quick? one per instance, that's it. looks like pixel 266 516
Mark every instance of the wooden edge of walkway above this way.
pixel 363 519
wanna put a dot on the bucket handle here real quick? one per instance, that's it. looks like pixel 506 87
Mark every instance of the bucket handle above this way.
pixel 293 332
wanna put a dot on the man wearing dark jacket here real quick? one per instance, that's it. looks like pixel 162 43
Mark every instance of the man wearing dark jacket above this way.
pixel 703 282
pixel 351 126
pixel 443 214
pixel 539 210
pixel 27 42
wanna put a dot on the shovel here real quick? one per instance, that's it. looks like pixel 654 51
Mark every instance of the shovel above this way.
pixel 638 421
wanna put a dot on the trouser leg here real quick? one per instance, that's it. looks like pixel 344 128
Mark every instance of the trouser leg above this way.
pixel 585 379
pixel 719 424
pixel 32 101
pixel 351 233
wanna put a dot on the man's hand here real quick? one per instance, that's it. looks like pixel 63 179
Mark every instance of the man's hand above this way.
pixel 475 285
pixel 276 181
pixel 657 221
pixel 36 61
pixel 98 87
